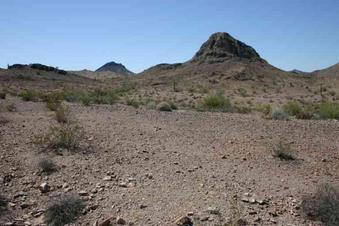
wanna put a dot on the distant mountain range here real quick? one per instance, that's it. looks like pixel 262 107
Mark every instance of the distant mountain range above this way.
pixel 221 55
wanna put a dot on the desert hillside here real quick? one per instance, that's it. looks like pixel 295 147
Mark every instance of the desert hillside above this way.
pixel 223 139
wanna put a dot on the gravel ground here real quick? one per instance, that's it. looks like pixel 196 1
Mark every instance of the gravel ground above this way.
pixel 151 168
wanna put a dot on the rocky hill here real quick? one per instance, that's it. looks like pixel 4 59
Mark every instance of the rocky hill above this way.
pixel 220 56
pixel 221 47
pixel 116 68
pixel 332 71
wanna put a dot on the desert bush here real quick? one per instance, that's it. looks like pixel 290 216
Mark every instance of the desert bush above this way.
pixel 150 104
pixel 47 166
pixel 64 211
pixel 279 114
pixel 30 95
pixel 3 204
pixel 266 109
pixel 10 107
pixel 243 92
pixel 173 106
pixel 87 98
pixel 104 96
pixel 323 205
pixel 53 101
pixel 292 108
pixel 242 109
pixel 2 95
pixel 132 102
pixel 307 112
pixel 283 151
pixel 164 106
pixel 62 114
pixel 216 102
pixel 62 136
pixel 73 95
pixel 328 110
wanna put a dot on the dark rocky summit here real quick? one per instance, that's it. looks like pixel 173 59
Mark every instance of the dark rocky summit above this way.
pixel 222 46
pixel 38 67
pixel 116 68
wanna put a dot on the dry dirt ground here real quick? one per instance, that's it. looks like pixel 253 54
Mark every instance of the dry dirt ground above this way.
pixel 164 165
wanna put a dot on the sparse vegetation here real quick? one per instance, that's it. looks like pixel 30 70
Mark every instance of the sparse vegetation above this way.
pixel 53 101
pixel 216 102
pixel 242 109
pixel 323 205
pixel 30 95
pixel 62 136
pixel 47 166
pixel 266 109
pixel 243 92
pixel 164 106
pixel 279 114
pixel 10 107
pixel 150 104
pixel 62 114
pixel 283 151
pixel 292 108
pixel 328 110
pixel 132 102
pixel 64 211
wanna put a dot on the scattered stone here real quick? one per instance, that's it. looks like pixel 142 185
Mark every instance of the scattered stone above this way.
pixel 120 221
pixel 44 187
pixel 212 210
pixel 123 184
pixel 184 221
pixel 142 206
pixel 83 193
pixel 107 178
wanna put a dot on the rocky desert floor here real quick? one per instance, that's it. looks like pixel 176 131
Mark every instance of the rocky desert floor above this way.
pixel 152 168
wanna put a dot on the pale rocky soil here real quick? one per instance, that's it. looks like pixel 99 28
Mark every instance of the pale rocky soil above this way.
pixel 164 165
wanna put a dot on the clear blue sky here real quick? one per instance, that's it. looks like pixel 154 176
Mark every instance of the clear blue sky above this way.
pixel 78 34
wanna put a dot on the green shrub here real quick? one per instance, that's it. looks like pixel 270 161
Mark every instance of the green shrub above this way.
pixel 173 106
pixel 47 166
pixel 292 108
pixel 328 110
pixel 53 101
pixel 30 95
pixel 323 205
pixel 132 102
pixel 104 96
pixel 283 151
pixel 164 106
pixel 150 104
pixel 266 109
pixel 216 102
pixel 64 211
pixel 279 114
pixel 85 100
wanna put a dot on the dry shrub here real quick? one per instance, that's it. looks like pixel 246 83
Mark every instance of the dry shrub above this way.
pixel 323 205
pixel 47 166
pixel 283 151
pixel 62 114
pixel 64 211
pixel 62 136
